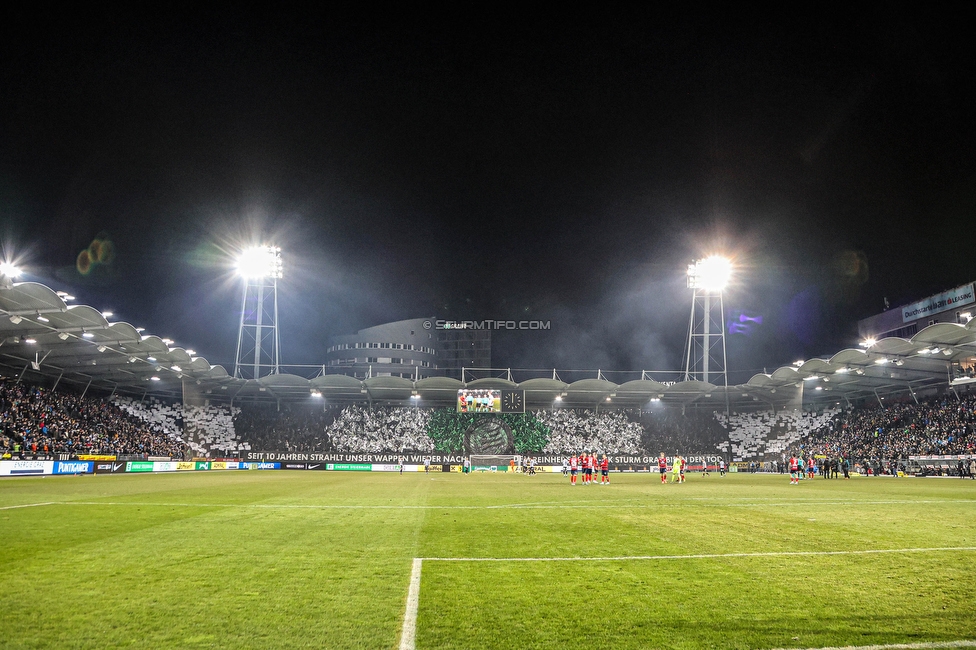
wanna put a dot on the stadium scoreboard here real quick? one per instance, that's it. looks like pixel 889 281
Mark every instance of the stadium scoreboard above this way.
pixel 490 400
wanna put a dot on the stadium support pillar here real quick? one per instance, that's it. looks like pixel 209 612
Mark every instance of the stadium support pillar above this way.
pixel 912 391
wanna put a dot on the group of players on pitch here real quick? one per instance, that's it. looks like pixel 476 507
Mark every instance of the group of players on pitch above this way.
pixel 588 463
pixel 678 468
pixel 800 469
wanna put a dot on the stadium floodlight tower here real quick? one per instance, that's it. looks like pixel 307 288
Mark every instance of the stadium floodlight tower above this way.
pixel 705 355
pixel 257 339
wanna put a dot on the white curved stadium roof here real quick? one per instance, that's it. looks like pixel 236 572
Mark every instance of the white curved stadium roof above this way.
pixel 42 335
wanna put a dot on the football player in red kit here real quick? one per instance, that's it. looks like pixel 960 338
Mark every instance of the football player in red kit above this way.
pixel 662 466
pixel 795 471
pixel 573 469
pixel 605 470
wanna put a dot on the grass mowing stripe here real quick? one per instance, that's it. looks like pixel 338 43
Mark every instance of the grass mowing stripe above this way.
pixel 29 505
pixel 900 646
pixel 700 556
pixel 408 636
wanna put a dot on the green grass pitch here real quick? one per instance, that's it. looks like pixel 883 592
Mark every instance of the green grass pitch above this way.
pixel 253 559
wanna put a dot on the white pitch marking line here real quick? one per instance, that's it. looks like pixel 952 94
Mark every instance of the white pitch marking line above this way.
pixel 408 637
pixel 701 556
pixel 901 646
pixel 28 505
pixel 595 504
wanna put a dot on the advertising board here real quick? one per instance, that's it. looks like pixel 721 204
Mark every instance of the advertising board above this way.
pixel 74 466
pixel 26 467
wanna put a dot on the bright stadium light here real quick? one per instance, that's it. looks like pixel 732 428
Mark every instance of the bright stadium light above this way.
pixel 710 274
pixel 9 270
pixel 260 262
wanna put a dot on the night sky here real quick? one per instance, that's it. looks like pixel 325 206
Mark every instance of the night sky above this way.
pixel 476 167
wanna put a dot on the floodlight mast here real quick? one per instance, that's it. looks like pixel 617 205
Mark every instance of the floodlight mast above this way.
pixel 706 358
pixel 257 339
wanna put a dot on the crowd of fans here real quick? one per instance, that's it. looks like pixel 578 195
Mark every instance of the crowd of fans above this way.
pixel 296 429
pixel 39 423
pixel 964 371
pixel 571 431
pixel 363 430
pixel 208 429
pixel 757 434
pixel 357 429
pixel 883 435
pixel 691 433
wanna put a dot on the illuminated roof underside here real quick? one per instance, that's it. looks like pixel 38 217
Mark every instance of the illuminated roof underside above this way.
pixel 41 335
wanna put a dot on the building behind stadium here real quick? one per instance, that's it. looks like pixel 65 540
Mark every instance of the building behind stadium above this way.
pixel 412 349
pixel 953 306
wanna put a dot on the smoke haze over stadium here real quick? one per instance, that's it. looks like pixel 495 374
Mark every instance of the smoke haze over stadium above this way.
pixel 561 171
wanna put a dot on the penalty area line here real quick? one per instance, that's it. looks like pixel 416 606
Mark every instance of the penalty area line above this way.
pixel 408 636
pixel 900 646
pixel 701 556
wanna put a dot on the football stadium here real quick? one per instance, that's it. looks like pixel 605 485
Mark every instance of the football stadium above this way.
pixel 150 497
pixel 460 329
